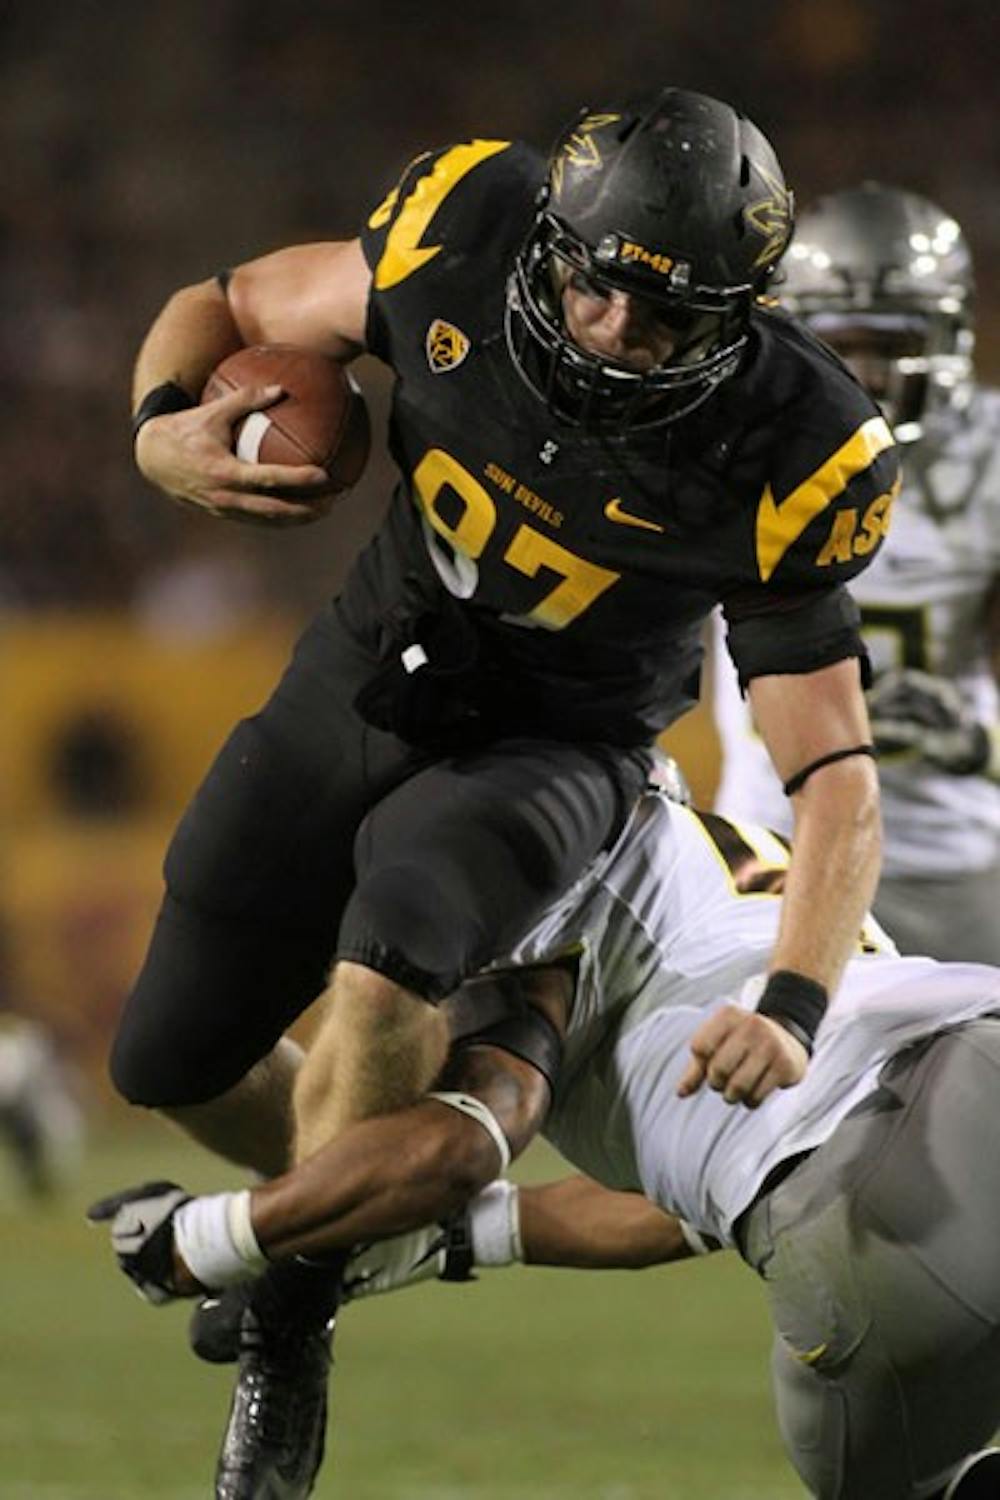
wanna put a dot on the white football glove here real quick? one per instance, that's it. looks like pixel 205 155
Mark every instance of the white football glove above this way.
pixel 441 1250
pixel 388 1265
pixel 142 1235
pixel 914 711
pixel 487 1232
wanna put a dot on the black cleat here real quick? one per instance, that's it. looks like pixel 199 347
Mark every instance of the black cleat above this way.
pixel 275 1437
pixel 214 1329
pixel 978 1478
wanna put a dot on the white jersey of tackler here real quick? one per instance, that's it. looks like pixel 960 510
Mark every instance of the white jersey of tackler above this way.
pixel 922 601
pixel 680 917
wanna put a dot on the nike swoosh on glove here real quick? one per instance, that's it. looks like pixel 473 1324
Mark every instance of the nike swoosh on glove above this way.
pixel 142 1235
pixel 443 1251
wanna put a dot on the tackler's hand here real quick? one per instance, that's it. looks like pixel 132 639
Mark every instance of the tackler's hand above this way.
pixel 142 1235
pixel 390 1264
pixel 440 1250
pixel 917 713
pixel 743 1055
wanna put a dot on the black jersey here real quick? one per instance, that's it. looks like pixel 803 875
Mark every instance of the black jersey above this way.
pixel 586 565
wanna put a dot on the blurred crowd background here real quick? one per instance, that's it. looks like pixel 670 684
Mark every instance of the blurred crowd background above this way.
pixel 150 146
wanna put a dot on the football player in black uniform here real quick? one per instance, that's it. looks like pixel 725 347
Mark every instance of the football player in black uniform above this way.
pixel 601 433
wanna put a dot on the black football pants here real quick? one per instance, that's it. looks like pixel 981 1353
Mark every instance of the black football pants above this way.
pixel 315 837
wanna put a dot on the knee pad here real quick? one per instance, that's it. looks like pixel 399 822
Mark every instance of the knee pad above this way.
pixel 149 1072
pixel 401 923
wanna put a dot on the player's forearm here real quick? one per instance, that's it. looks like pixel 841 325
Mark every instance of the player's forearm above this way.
pixel 833 872
pixel 382 1177
pixel 578 1223
pixel 194 331
pixel 397 1172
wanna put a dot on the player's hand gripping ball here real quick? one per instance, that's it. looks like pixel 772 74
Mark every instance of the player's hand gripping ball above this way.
pixel 321 418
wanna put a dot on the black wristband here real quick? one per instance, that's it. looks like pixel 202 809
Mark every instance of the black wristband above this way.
pixel 795 1002
pixel 160 402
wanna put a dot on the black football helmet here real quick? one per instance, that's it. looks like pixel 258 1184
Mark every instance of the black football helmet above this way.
pixel 888 262
pixel 677 199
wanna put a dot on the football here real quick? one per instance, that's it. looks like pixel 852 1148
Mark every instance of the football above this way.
pixel 321 419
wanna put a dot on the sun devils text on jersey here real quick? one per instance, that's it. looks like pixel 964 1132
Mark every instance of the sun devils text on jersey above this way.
pixel 569 571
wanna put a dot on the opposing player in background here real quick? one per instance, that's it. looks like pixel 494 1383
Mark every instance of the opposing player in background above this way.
pixel 866 1197
pixel 41 1122
pixel 885 278
pixel 41 1118
pixel 601 434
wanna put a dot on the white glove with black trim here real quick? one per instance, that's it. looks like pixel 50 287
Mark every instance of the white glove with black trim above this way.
pixel 440 1251
pixel 926 715
pixel 487 1232
pixel 142 1235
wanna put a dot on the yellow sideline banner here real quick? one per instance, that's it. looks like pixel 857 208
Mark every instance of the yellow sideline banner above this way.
pixel 106 732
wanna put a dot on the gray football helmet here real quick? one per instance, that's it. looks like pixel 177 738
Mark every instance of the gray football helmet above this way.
pixel 890 263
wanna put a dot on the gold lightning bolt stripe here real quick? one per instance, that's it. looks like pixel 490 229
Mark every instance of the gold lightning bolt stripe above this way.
pixel 403 253
pixel 778 526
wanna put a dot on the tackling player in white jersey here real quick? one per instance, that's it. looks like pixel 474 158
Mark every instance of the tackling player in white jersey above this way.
pixel 885 278
pixel 867 1196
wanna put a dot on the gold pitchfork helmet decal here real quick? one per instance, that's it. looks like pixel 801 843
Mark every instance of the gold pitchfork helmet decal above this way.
pixel 771 218
pixel 580 148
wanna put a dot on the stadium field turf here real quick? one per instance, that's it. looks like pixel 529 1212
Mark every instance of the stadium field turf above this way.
pixel 528 1385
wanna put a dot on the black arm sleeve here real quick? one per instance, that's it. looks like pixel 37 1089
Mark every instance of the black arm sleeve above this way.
pixel 799 633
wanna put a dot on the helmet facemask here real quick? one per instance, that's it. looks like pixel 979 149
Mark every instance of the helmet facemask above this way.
pixel 910 363
pixel 596 391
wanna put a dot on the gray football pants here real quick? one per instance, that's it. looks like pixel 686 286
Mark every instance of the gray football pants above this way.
pixel 957 917
pixel 881 1258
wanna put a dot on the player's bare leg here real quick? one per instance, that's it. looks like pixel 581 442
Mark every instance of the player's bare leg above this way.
pixel 379 1048
pixel 251 1124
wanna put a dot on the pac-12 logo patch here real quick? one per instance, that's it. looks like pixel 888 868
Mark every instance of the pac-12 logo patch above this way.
pixel 446 346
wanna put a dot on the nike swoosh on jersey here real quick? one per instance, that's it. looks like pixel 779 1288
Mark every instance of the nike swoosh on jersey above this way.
pixel 613 511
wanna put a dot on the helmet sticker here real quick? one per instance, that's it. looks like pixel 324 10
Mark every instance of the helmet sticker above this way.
pixel 580 148
pixel 771 217
pixel 613 249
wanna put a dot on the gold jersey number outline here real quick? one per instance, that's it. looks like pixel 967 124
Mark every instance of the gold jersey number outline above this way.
pixel 529 552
